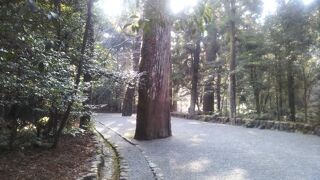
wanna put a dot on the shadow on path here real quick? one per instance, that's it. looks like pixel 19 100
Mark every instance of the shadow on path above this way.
pixel 199 150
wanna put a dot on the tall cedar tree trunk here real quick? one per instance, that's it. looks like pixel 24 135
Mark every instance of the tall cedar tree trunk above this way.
pixel 85 43
pixel 195 77
pixel 291 94
pixel 129 96
pixel 211 55
pixel 232 66
pixel 153 113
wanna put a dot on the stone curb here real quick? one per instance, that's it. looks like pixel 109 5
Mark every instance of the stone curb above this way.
pixel 120 161
pixel 156 171
pixel 250 123
pixel 96 162
pixel 102 158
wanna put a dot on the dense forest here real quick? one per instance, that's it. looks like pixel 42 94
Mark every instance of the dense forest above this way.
pixel 63 59
pixel 229 59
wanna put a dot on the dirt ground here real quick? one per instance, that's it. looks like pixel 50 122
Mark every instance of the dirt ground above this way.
pixel 68 161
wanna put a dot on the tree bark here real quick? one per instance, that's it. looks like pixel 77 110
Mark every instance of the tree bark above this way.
pixel 208 97
pixel 128 100
pixel 291 93
pixel 211 55
pixel 195 77
pixel 153 113
pixel 232 66
pixel 129 96
pixel 87 75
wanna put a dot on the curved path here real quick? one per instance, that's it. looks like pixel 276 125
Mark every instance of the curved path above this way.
pixel 199 150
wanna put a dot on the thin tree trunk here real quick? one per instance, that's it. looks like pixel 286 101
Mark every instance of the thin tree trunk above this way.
pixel 291 93
pixel 218 90
pixel 153 114
pixel 208 97
pixel 195 77
pixel 305 95
pixel 305 104
pixel 86 38
pixel 277 104
pixel 171 91
pixel 232 66
pixel 280 88
pixel 256 91
pixel 87 76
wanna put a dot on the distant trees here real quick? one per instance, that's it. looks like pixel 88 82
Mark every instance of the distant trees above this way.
pixel 293 44
pixel 275 61
pixel 227 60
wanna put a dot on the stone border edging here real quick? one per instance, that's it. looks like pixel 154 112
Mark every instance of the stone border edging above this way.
pixel 102 159
pixel 156 171
pixel 250 123
pixel 97 162
pixel 120 162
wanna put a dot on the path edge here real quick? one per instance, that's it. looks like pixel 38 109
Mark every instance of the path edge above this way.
pixel 156 171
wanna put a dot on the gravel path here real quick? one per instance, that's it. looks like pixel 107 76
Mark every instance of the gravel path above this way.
pixel 199 150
